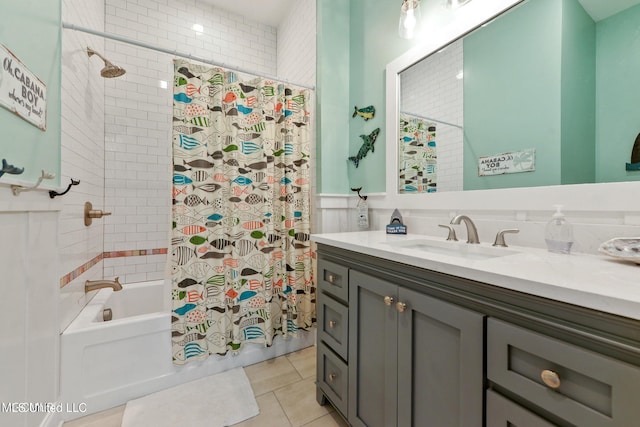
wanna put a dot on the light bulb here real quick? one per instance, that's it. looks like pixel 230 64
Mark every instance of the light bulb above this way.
pixel 410 20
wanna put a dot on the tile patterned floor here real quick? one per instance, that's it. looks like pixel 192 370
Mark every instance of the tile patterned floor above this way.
pixel 284 389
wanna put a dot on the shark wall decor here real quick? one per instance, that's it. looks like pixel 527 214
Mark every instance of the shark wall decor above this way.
pixel 367 145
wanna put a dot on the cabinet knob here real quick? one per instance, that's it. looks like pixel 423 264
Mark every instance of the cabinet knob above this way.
pixel 388 300
pixel 401 307
pixel 332 377
pixel 550 379
pixel 331 278
pixel 332 324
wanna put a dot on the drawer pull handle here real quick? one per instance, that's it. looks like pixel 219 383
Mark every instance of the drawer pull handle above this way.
pixel 550 379
pixel 332 377
pixel 331 278
pixel 401 306
pixel 332 324
pixel 388 300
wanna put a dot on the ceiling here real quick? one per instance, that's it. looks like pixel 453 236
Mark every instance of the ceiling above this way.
pixel 601 9
pixel 269 12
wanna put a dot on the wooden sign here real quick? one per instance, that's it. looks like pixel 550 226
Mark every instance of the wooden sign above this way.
pixel 512 162
pixel 21 92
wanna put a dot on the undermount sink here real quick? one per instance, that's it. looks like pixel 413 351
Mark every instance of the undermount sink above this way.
pixel 458 249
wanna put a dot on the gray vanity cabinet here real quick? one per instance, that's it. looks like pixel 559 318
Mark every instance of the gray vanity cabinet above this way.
pixel 413 360
pixel 399 345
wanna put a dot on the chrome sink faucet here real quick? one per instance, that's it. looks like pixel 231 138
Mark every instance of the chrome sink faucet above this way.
pixel 472 231
pixel 92 285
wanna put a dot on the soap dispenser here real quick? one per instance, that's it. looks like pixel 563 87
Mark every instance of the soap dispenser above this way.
pixel 559 233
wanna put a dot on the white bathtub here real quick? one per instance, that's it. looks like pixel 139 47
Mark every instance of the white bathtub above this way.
pixel 105 364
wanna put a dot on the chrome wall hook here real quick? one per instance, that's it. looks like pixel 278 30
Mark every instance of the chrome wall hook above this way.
pixel 17 189
pixel 53 194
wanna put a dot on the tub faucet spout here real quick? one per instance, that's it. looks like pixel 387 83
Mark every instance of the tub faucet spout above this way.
pixel 92 285
pixel 472 231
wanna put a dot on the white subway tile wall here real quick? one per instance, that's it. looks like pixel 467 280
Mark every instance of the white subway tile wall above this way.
pixel 297 63
pixel 138 109
pixel 82 150
pixel 440 97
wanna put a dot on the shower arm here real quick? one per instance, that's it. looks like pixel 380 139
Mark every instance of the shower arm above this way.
pixel 92 52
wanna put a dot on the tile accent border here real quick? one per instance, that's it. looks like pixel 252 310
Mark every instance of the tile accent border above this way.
pixel 135 252
pixel 67 278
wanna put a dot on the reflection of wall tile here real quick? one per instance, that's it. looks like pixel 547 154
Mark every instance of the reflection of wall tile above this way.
pixel 440 96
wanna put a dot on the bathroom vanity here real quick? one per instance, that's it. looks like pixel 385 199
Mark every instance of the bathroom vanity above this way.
pixel 416 331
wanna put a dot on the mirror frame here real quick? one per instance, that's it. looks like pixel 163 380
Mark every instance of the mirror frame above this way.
pixel 581 197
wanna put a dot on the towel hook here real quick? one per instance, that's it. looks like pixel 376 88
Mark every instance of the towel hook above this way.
pixel 53 193
pixel 17 189
pixel 357 190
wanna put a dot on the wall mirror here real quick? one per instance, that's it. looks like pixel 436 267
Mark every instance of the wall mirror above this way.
pixel 543 94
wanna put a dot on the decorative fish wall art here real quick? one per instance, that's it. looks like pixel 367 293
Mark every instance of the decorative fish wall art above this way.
pixel 366 113
pixel 367 145
pixel 7 168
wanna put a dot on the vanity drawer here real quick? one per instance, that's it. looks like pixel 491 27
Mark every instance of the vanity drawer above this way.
pixel 333 324
pixel 332 377
pixel 582 387
pixel 501 412
pixel 333 279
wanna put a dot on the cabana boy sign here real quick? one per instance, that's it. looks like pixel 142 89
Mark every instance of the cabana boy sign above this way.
pixel 21 92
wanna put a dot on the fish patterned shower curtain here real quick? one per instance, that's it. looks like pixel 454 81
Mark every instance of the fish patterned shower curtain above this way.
pixel 417 155
pixel 241 257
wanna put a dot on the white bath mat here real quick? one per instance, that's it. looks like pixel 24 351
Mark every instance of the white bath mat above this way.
pixel 219 400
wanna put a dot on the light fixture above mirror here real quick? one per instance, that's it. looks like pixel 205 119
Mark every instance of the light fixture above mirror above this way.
pixel 410 17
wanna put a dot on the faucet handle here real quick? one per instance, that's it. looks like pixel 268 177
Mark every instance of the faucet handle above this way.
pixel 452 232
pixel 500 236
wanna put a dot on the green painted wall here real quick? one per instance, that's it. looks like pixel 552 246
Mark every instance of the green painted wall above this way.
pixel 32 32
pixel 524 112
pixel 541 92
pixel 332 91
pixel 617 89
pixel 356 40
pixel 374 43
pixel 578 95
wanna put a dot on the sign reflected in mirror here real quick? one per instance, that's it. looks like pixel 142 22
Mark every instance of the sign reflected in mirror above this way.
pixel 560 78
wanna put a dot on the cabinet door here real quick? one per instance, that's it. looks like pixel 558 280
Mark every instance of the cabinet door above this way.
pixel 440 362
pixel 372 352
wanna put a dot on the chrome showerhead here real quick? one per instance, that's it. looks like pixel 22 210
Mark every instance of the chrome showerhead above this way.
pixel 110 70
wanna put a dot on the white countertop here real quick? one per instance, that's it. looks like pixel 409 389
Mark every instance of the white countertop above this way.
pixel 590 281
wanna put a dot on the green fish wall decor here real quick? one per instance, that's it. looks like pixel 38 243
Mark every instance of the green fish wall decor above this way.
pixel 367 145
pixel 366 113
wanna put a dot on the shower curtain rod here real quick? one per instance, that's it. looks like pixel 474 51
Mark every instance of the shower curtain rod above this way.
pixel 174 53
pixel 433 120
